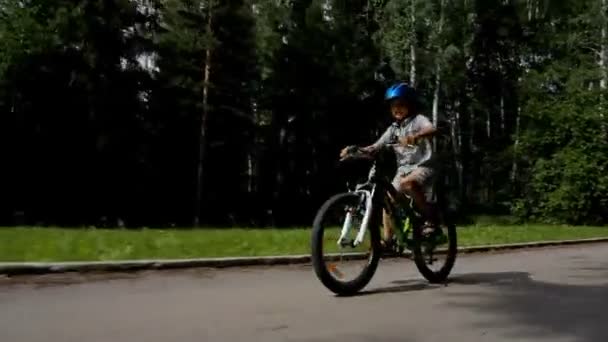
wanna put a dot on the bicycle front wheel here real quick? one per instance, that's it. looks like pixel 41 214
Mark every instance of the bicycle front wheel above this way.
pixel 332 257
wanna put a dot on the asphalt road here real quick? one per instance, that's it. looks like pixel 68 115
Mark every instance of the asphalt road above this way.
pixel 551 294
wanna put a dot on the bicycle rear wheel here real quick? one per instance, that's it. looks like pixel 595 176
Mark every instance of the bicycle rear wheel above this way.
pixel 425 250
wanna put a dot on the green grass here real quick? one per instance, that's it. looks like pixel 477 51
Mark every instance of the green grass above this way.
pixel 55 244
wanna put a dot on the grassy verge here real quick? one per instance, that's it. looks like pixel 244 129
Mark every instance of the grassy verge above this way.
pixel 54 244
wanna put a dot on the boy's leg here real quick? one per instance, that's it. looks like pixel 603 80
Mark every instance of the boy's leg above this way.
pixel 387 221
pixel 414 185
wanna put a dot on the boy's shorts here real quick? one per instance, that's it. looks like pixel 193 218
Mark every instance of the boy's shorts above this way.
pixel 422 175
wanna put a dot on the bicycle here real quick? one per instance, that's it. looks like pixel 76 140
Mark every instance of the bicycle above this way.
pixel 368 200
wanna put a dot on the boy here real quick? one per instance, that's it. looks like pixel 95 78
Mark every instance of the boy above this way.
pixel 414 153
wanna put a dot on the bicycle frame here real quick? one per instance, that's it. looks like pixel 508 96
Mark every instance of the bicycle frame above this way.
pixel 393 204
pixel 381 190
pixel 380 193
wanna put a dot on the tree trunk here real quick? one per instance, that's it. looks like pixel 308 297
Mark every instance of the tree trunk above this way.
pixel 437 75
pixel 488 123
pixel 252 163
pixel 502 113
pixel 515 146
pixel 502 98
pixel 456 143
pixel 250 172
pixel 471 128
pixel 436 100
pixel 471 164
pixel 603 61
pixel 413 44
pixel 203 132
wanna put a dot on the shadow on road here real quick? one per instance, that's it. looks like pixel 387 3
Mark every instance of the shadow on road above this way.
pixel 401 286
pixel 524 308
pixel 488 278
pixel 74 278
pixel 410 285
pixel 538 309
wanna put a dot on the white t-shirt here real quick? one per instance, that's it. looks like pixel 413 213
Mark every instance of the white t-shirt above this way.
pixel 409 158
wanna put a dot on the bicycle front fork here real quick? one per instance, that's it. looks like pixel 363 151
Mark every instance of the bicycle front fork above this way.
pixel 366 197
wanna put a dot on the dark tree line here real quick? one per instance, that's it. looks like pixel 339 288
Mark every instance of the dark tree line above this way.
pixel 232 112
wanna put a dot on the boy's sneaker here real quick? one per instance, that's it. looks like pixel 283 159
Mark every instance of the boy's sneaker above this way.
pixel 388 246
pixel 433 231
pixel 428 229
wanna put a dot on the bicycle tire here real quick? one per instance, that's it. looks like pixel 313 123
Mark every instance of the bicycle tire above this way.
pixel 318 262
pixel 443 273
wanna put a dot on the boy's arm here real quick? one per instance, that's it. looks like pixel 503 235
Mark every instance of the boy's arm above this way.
pixel 426 132
pixel 425 128
pixel 384 139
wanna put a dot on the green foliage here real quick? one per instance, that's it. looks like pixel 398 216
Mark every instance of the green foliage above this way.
pixel 33 244
pixel 564 148
pixel 570 186
pixel 291 83
pixel 396 35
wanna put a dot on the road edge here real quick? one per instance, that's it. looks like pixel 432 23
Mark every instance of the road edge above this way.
pixel 31 268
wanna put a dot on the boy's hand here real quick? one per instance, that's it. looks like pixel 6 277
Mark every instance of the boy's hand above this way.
pixel 366 149
pixel 343 152
pixel 408 140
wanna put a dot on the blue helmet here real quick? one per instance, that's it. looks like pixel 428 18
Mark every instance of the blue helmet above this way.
pixel 400 90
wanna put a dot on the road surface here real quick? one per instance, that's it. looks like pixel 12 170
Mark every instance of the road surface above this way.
pixel 551 294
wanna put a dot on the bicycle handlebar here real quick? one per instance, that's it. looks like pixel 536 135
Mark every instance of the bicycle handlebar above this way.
pixel 355 152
